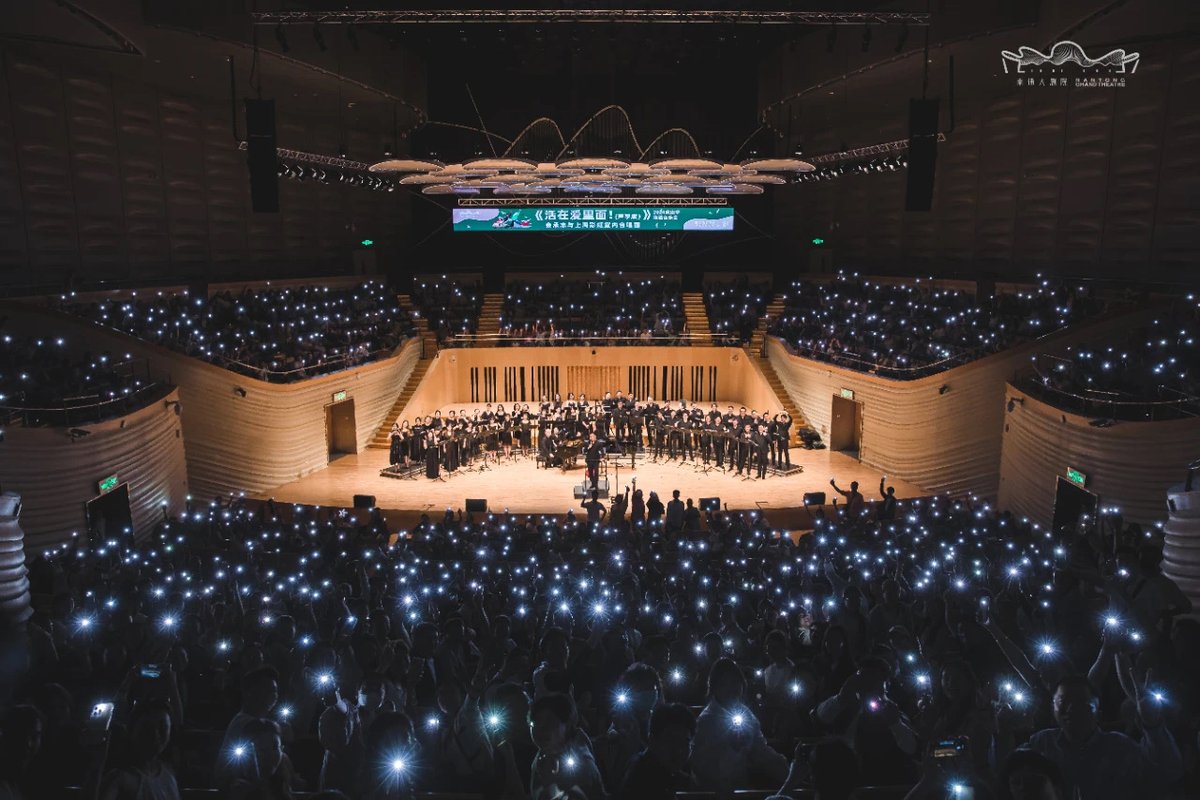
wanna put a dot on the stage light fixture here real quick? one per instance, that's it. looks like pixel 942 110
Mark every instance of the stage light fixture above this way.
pixel 352 37
pixel 281 37
pixel 319 38
pixel 831 39
pixel 866 38
pixel 902 39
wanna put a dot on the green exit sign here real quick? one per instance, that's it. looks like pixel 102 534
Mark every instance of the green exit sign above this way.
pixel 339 396
pixel 817 240
pixel 848 394
pixel 108 484
pixel 1076 477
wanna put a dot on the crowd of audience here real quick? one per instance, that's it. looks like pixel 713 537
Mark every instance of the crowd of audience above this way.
pixel 1153 374
pixel 43 380
pixel 451 308
pixel 735 307
pixel 911 330
pixel 607 310
pixel 936 646
pixel 281 334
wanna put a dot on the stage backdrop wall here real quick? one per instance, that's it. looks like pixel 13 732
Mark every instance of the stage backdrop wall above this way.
pixel 56 475
pixel 943 442
pixel 1130 465
pixel 522 374
pixel 273 434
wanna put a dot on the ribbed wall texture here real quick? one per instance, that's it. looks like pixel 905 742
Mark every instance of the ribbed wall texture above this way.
pixel 1181 553
pixel 105 178
pixel 942 442
pixel 1069 180
pixel 15 607
pixel 1129 465
pixel 56 475
pixel 275 434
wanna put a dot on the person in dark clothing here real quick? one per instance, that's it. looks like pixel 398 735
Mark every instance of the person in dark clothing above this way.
pixel 662 769
pixel 595 509
pixel 886 511
pixel 593 456
pixel 762 449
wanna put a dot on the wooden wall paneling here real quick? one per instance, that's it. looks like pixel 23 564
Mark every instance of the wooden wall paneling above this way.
pixel 14 252
pixel 1130 465
pixel 273 434
pixel 942 442
pixel 36 98
pixel 1087 148
pixel 1177 215
pixel 182 131
pixel 56 475
pixel 143 194
pixel 95 175
pixel 999 172
pixel 1040 178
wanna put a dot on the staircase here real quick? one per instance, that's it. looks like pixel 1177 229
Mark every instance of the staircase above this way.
pixel 785 399
pixel 380 439
pixel 696 315
pixel 489 314
pixel 759 338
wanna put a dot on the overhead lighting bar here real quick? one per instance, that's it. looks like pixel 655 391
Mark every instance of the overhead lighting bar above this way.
pixel 510 16
pixel 898 146
pixel 302 157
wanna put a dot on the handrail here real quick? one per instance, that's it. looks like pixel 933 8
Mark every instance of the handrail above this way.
pixel 1185 405
pixel 90 411
pixel 820 355
pixel 503 338
pixel 319 367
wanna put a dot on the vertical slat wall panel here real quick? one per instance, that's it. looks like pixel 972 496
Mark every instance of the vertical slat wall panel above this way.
pixel 14 265
pixel 1082 181
pixel 39 124
pixel 104 177
pixel 95 177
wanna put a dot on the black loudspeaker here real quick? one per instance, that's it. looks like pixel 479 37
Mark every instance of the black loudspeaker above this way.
pixel 476 505
pixel 814 498
pixel 583 491
pixel 364 501
pixel 710 504
pixel 922 153
pixel 260 155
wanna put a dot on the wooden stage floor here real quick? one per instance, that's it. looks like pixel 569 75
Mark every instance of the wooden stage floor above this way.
pixel 523 488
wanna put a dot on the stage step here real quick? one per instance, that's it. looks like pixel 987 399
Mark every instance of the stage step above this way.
pixel 489 314
pixel 759 338
pixel 781 393
pixel 696 314
pixel 380 439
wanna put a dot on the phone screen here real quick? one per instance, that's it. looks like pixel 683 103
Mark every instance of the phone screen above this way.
pixel 151 671
pixel 101 717
pixel 949 748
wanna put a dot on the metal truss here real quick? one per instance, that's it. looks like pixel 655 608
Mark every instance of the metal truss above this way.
pixel 512 16
pixel 883 149
pixel 302 157
pixel 579 202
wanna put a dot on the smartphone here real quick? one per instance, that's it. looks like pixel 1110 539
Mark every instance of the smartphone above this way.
pixel 101 717
pixel 150 671
pixel 950 748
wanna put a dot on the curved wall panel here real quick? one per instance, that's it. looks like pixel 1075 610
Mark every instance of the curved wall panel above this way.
pixel 57 474
pixel 244 434
pixel 943 442
pixel 1130 465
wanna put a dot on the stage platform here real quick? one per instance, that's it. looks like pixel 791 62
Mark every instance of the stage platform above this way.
pixel 524 488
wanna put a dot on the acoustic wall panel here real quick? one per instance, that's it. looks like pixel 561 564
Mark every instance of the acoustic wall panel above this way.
pixel 1129 465
pixel 57 474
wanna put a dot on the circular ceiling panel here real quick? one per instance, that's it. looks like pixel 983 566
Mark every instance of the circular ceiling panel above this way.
pixel 405 165
pixel 779 165
pixel 737 188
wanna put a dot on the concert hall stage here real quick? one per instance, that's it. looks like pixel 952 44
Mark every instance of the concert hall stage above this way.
pixel 522 487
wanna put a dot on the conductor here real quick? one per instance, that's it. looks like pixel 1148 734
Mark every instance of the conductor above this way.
pixel 593 455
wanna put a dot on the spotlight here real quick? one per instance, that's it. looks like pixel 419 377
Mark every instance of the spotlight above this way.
pixel 319 38
pixel 352 36
pixel 281 38
pixel 903 39
pixel 866 38
pixel 943 389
